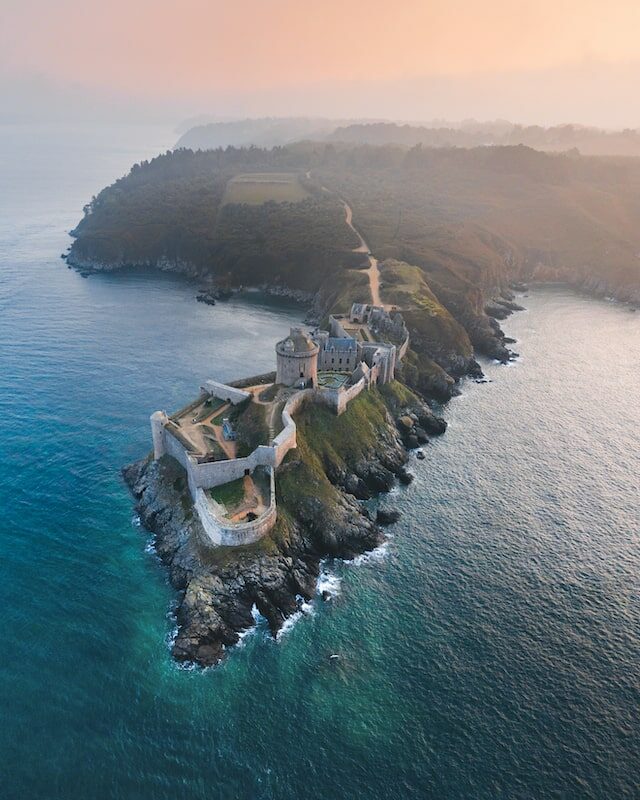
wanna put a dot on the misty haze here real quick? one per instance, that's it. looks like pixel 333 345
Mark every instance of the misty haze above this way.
pixel 319 380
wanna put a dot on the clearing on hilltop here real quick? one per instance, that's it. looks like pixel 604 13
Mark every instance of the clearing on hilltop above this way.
pixel 256 188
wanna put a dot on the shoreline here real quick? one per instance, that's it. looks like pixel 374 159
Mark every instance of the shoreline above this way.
pixel 218 589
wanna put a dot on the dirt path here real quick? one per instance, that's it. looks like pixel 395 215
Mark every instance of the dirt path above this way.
pixel 373 272
pixel 195 433
pixel 252 501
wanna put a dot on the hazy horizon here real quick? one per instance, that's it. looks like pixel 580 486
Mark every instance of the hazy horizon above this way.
pixel 166 61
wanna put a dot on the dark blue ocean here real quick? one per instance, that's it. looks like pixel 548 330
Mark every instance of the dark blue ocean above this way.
pixel 490 650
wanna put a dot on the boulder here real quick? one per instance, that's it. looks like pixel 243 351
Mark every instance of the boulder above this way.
pixel 387 516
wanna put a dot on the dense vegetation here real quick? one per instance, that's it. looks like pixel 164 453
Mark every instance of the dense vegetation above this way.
pixel 172 211
pixel 465 217
pixel 452 226
pixel 271 132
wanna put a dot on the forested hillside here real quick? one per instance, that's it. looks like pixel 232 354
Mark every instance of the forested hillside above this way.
pixel 453 227
pixel 480 216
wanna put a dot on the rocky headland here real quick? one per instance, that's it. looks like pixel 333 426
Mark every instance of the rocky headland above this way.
pixel 338 461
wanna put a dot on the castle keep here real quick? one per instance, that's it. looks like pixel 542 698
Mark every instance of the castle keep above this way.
pixel 297 359
pixel 233 488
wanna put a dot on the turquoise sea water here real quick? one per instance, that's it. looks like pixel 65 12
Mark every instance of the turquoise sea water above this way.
pixel 492 649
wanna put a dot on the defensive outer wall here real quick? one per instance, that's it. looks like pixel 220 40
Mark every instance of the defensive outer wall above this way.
pixel 203 476
pixel 207 475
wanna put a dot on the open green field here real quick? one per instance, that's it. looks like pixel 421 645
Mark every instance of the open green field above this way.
pixel 256 188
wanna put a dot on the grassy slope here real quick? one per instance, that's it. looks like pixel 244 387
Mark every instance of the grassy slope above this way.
pixel 327 442
pixel 434 332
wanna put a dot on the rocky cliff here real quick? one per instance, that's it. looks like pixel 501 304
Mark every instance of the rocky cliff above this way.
pixel 338 460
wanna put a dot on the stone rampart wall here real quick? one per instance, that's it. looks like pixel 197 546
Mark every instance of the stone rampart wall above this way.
pixel 215 473
pixel 402 350
pixel 286 439
pixel 221 531
pixel 339 399
pixel 224 392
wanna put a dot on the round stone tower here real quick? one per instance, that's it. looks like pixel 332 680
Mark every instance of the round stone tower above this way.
pixel 158 420
pixel 297 359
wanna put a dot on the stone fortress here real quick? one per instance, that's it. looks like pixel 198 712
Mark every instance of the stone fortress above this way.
pixel 233 494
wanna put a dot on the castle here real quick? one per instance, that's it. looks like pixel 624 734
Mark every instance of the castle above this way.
pixel 308 360
pixel 327 367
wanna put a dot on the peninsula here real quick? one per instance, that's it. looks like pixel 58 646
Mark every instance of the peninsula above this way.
pixel 253 483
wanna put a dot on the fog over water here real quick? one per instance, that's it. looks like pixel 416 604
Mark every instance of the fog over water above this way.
pixel 491 649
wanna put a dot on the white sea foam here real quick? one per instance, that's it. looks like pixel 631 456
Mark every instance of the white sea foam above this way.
pixel 376 554
pixel 136 521
pixel 172 634
pixel 328 582
pixel 150 547
pixel 257 619
pixel 305 609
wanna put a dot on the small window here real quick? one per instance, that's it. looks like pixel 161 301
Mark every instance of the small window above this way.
pixel 302 374
pixel 340 362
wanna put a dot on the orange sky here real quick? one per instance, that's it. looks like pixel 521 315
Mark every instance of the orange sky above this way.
pixel 205 48
pixel 194 45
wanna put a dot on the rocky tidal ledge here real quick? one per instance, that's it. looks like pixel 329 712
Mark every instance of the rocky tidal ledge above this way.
pixel 338 462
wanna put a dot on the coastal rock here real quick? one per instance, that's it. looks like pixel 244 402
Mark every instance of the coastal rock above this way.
pixel 218 587
pixel 404 476
pixel 387 516
pixel 496 310
pixel 434 426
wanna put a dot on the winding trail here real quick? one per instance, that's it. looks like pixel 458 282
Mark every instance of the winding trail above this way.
pixel 373 272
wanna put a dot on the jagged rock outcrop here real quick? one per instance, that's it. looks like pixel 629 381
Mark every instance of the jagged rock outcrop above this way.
pixel 319 516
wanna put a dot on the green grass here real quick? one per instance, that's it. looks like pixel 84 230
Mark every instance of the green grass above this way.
pixel 209 407
pixel 217 420
pixel 351 287
pixel 404 285
pixel 327 443
pixel 229 494
pixel 326 440
pixel 396 395
pixel 250 422
pixel 260 187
